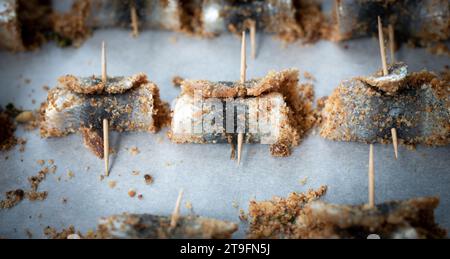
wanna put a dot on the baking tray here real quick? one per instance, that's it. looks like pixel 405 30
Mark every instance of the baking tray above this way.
pixel 212 183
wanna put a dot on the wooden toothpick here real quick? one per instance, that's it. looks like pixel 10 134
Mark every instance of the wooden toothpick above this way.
pixel 134 19
pixel 395 142
pixel 243 75
pixel 382 48
pixel 105 121
pixel 392 51
pixel 253 38
pixel 176 211
pixel 104 62
pixel 243 58
pixel 371 179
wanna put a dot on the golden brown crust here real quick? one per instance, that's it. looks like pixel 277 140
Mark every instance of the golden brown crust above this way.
pixel 276 218
pixel 93 140
pixel 412 218
pixel 94 84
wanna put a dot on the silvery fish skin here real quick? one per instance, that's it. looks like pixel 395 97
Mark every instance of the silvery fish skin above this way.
pixel 160 14
pixel 152 14
pixel 10 32
pixel 219 15
pixel 67 110
pixel 365 109
pixel 213 120
pixel 146 226
pixel 426 20
pixel 408 219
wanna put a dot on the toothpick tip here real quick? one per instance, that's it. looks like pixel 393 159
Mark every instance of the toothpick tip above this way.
pixel 176 211
pixel 395 141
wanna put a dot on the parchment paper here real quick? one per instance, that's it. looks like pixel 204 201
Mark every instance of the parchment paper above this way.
pixel 211 181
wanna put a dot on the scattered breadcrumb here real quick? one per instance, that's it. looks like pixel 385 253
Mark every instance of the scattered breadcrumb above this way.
pixel 41 162
pixel 309 76
pixel 242 215
pixel 50 161
pixel 52 233
pixel 7 138
pixel 303 180
pixel 53 169
pixel 135 172
pixel 140 197
pixel 148 179
pixel 177 81
pixel 276 218
pixel 70 174
pixel 134 151
pixel 188 205
pixel 14 197
pixel 131 193
pixel 25 117
pixel 29 233
pixel 21 142
pixel 235 204
pixel 112 184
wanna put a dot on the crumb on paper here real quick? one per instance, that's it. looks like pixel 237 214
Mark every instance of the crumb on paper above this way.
pixel 70 174
pixel 22 142
pixel 132 193
pixel 140 197
pixel 52 233
pixel 243 216
pixel 29 233
pixel 188 205
pixel 25 117
pixel 309 76
pixel 148 179
pixel 112 184
pixel 177 81
pixel 14 197
pixel 41 162
pixel 135 172
pixel 303 180
pixel 235 204
pixel 134 150
pixel 53 169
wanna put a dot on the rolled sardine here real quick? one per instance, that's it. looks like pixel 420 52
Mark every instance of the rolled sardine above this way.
pixel 365 109
pixel 270 111
pixel 146 226
pixel 81 104
pixel 422 20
